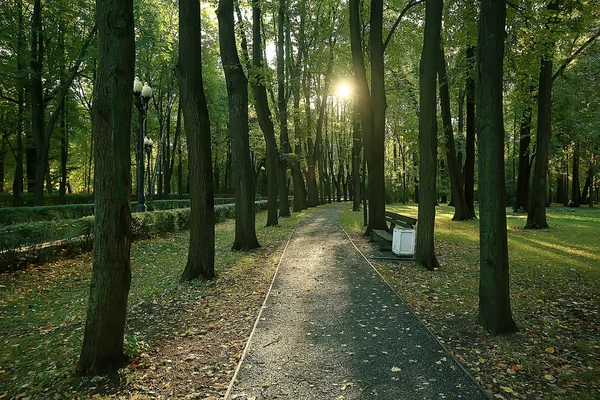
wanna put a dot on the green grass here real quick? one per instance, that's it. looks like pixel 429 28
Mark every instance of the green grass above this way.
pixel 42 308
pixel 554 285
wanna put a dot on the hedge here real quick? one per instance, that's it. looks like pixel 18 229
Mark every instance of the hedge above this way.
pixel 17 236
pixel 6 199
pixel 17 215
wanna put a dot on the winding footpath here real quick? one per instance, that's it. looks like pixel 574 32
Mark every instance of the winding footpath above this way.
pixel 331 328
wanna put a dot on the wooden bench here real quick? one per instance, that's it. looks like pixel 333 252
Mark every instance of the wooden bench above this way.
pixel 383 237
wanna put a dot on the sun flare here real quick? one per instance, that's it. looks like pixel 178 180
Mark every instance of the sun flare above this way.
pixel 344 90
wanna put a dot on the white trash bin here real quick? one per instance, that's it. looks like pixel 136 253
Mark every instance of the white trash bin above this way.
pixel 403 242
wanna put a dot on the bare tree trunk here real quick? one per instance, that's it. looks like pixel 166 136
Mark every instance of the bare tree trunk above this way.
pixel 102 348
pixel 201 254
pixel 237 91
pixel 575 193
pixel 522 194
pixel 356 149
pixel 494 299
pixel 461 210
pixel 376 148
pixel 536 214
pixel 469 168
pixel 284 139
pixel 264 117
pixel 425 252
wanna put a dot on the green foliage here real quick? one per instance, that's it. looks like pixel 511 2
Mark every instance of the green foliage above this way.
pixel 23 235
pixel 143 225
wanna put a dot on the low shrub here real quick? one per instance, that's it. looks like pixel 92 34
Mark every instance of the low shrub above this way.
pixel 18 236
pixel 77 231
pixel 19 215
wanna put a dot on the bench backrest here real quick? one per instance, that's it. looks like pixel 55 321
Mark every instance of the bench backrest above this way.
pixel 399 219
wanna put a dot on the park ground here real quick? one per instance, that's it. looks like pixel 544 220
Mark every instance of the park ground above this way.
pixel 185 340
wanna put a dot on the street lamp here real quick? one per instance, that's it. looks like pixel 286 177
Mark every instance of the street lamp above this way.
pixel 142 93
pixel 148 143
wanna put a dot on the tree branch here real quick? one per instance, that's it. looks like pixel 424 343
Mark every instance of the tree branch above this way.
pixel 574 55
pixel 410 5
pixel 9 99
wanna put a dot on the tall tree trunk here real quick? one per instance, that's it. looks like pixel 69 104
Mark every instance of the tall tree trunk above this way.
pixel 298 134
pixel 494 299
pixel 37 101
pixel 2 163
pixel 425 252
pixel 64 140
pixel 575 194
pixel 264 116
pixel 284 139
pixel 591 174
pixel 179 171
pixel 372 142
pixel 522 195
pixel 376 148
pixel 536 214
pixel 18 177
pixel 171 168
pixel 102 348
pixel 461 211
pixel 237 91
pixel 469 168
pixel 356 149
pixel 587 187
pixel 201 254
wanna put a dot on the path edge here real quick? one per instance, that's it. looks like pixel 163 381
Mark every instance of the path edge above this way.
pixel 239 366
pixel 488 395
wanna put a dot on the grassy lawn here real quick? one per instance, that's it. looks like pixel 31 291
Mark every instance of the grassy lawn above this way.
pixel 174 331
pixel 555 292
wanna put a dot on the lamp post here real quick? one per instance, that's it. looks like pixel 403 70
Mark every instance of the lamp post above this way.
pixel 148 143
pixel 142 97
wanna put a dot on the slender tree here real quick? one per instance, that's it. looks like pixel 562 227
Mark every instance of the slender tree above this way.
pixel 201 255
pixel 469 168
pixel 372 121
pixel 264 114
pixel 237 91
pixel 376 146
pixel 461 210
pixel 284 138
pixel 536 214
pixel 111 274
pixel 494 300
pixel 425 252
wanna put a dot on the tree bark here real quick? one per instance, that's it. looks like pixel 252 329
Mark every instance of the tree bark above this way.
pixel 376 146
pixel 461 210
pixel 102 348
pixel 284 139
pixel 575 193
pixel 201 254
pixel 237 91
pixel 356 149
pixel 469 168
pixel 299 195
pixel 494 298
pixel 522 195
pixel 37 102
pixel 170 167
pixel 18 177
pixel 536 215
pixel 64 139
pixel 425 252
pixel 264 116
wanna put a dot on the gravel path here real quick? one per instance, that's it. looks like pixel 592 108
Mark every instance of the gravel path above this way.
pixel 332 328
